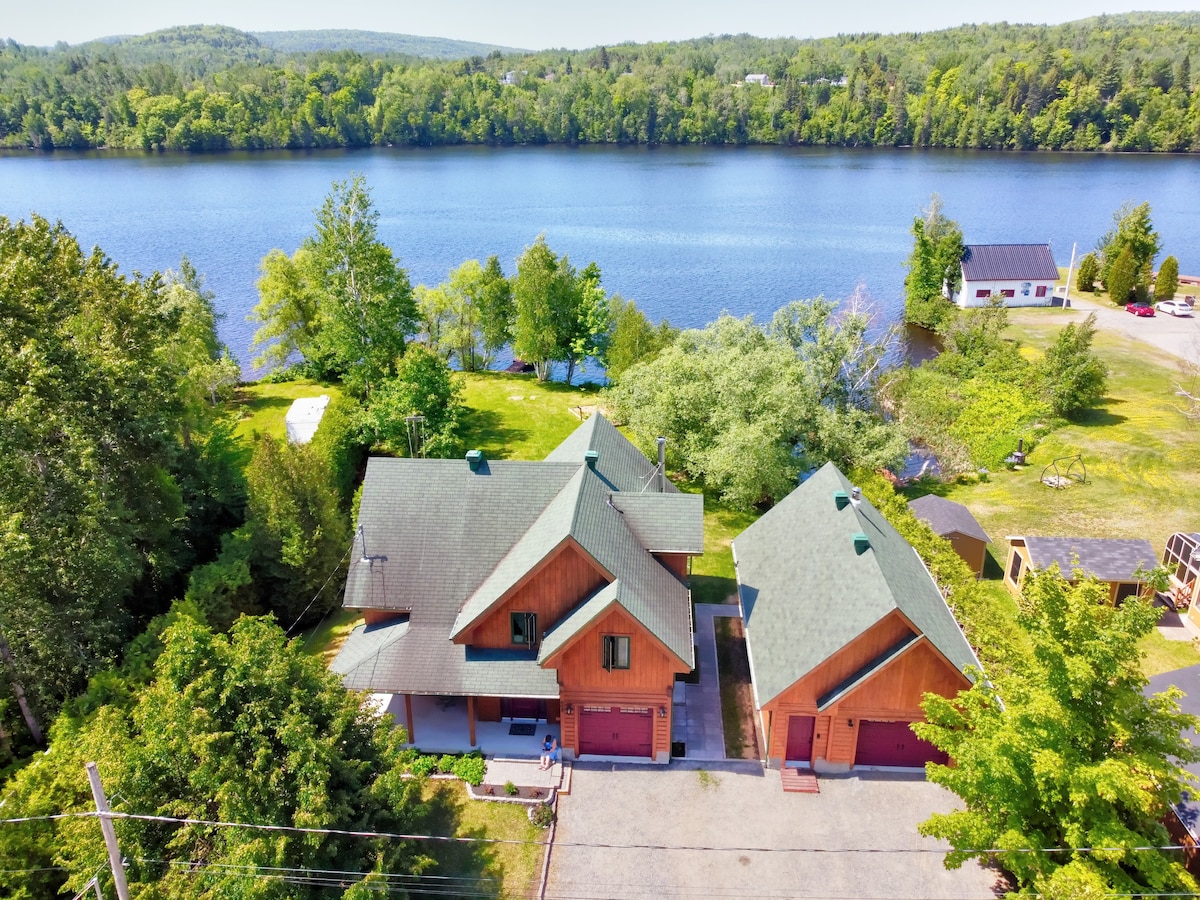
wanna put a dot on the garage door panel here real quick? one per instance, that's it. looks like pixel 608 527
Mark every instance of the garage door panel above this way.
pixel 616 731
pixel 894 744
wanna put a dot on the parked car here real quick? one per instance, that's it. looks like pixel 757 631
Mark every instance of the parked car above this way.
pixel 1173 307
pixel 1141 308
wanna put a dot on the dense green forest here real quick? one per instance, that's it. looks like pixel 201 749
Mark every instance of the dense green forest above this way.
pixel 1105 83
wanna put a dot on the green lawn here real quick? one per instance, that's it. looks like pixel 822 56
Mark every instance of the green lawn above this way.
pixel 261 406
pixel 1142 457
pixel 503 870
pixel 516 417
pixel 326 639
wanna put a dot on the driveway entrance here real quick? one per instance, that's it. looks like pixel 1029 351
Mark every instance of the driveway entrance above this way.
pixel 745 838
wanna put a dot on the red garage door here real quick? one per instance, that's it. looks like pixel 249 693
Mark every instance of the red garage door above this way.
pixel 616 731
pixel 893 744
pixel 800 738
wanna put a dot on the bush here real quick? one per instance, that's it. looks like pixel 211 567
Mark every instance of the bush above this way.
pixel 542 815
pixel 446 764
pixel 470 769
pixel 424 765
pixel 340 443
pixel 511 789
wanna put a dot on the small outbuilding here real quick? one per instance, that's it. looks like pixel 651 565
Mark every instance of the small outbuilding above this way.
pixel 1111 560
pixel 1183 819
pixel 303 417
pixel 846 632
pixel 1019 274
pixel 954 522
pixel 1181 557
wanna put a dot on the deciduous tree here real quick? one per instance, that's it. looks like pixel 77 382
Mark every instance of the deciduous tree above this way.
pixel 633 338
pixel 422 386
pixel 1065 751
pixel 342 301
pixel 933 266
pixel 1075 378
pixel 1133 231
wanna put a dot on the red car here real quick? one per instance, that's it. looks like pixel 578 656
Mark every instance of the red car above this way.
pixel 1141 308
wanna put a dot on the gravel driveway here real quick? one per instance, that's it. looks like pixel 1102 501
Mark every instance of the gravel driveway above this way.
pixel 1178 337
pixel 755 836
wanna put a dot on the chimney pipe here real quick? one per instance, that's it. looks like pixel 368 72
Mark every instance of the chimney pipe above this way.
pixel 590 457
pixel 662 464
pixel 474 459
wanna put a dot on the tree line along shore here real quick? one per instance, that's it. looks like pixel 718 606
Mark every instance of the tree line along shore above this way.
pixel 1118 83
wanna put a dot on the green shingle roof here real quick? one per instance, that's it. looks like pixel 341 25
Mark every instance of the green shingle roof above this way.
pixel 446 543
pixel 807 590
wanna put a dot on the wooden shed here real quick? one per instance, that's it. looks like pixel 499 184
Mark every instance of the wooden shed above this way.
pixel 846 632
pixel 1112 560
pixel 954 522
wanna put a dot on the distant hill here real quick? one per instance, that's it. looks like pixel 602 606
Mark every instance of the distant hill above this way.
pixel 375 43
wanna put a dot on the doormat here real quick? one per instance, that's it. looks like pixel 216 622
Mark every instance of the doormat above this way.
pixel 521 729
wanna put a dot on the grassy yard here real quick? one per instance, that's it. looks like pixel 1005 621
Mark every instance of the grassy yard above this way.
pixel 261 407
pixel 483 870
pixel 1142 457
pixel 516 417
pixel 326 639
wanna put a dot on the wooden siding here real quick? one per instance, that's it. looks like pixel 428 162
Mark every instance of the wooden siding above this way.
pixel 675 563
pixel 647 682
pixel 487 709
pixel 890 694
pixel 972 550
pixel 551 590
pixel 1017 547
pixel 377 616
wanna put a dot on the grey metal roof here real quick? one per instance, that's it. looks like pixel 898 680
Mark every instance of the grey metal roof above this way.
pixel 806 591
pixel 946 517
pixel 1107 559
pixel 1008 262
pixel 446 543
pixel 1188 681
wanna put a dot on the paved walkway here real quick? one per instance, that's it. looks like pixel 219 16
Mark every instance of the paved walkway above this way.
pixel 523 773
pixel 696 708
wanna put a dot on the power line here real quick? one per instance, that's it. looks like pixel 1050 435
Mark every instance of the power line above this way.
pixel 296 829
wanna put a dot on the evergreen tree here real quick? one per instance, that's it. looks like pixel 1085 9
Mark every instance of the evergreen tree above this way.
pixel 1089 270
pixel 1122 277
pixel 1167 282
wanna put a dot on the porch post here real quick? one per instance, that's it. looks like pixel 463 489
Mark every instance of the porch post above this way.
pixel 408 718
pixel 471 718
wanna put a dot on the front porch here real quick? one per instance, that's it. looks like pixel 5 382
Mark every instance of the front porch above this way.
pixel 442 725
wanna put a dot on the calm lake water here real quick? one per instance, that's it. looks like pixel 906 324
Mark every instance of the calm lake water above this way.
pixel 686 232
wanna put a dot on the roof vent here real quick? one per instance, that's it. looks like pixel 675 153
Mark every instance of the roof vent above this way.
pixel 590 458
pixel 474 459
pixel 862 543
pixel 841 498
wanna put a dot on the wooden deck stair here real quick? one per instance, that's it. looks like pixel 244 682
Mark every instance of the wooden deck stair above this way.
pixel 798 781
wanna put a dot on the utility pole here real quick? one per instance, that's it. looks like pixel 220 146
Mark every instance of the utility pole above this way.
pixel 110 833
pixel 1070 272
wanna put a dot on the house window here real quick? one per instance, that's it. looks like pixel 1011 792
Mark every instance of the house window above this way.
pixel 1008 293
pixel 616 651
pixel 1014 570
pixel 1041 290
pixel 982 294
pixel 1025 286
pixel 524 628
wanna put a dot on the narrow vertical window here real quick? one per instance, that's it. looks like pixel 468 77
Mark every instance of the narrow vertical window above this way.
pixel 524 628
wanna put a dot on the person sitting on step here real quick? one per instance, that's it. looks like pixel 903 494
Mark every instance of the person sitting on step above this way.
pixel 549 752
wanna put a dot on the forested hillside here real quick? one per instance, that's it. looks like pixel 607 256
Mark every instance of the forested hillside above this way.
pixel 1115 82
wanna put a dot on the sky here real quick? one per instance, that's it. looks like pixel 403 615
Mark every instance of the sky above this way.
pixel 538 24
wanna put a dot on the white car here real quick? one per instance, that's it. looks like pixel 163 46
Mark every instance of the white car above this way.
pixel 1173 307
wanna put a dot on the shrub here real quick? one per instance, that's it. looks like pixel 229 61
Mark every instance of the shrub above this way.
pixel 424 765
pixel 542 815
pixel 511 789
pixel 446 764
pixel 470 769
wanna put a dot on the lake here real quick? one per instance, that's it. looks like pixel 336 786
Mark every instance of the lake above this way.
pixel 685 232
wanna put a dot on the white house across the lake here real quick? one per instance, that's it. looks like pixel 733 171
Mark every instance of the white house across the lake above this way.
pixel 1019 274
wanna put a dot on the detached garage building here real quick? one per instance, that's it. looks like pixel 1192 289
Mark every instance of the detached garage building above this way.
pixel 845 630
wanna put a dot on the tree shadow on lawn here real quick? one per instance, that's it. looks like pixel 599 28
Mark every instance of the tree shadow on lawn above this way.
pixel 462 866
pixel 484 429
pixel 1103 416
pixel 714 589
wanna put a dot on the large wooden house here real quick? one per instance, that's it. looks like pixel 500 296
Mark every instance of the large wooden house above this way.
pixel 552 591
pixel 846 632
